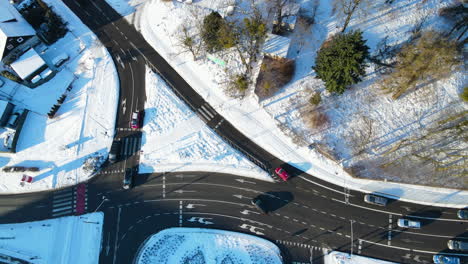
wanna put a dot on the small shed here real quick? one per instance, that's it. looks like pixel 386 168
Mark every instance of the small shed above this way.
pixel 276 46
pixel 289 15
pixel 5 112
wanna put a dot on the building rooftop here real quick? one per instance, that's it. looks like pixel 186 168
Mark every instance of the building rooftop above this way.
pixel 27 64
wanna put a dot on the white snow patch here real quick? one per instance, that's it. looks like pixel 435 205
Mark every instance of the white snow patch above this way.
pixel 200 246
pixel 175 139
pixel 72 239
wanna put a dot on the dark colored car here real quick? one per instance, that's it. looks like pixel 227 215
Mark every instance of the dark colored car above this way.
pixel 137 119
pixel 282 173
pixel 260 204
pixel 128 178
pixel 462 213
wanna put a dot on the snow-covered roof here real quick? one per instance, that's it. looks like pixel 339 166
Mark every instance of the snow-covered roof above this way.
pixel 28 63
pixel 276 45
pixel 3 106
pixel 291 20
pixel 12 24
pixel 291 9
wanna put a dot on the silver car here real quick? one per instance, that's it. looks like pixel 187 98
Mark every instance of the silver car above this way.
pixel 374 199
pixel 457 245
pixel 406 223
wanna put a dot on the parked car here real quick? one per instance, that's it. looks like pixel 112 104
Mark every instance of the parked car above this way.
pixel 45 73
pixel 462 213
pixel 374 199
pixel 282 173
pixel 114 151
pixel 457 245
pixel 406 223
pixel 259 204
pixel 441 259
pixel 60 59
pixel 128 178
pixel 36 79
pixel 137 119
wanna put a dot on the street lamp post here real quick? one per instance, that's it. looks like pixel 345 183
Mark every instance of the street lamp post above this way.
pixel 104 199
pixel 352 238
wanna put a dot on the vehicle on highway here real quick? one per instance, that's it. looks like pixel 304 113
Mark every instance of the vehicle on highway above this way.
pixel 128 178
pixel 282 173
pixel 409 223
pixel 457 245
pixel 114 151
pixel 462 213
pixel 441 259
pixel 260 204
pixel 137 119
pixel 374 199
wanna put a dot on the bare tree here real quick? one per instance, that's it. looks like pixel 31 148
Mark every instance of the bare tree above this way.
pixel 188 41
pixel 347 7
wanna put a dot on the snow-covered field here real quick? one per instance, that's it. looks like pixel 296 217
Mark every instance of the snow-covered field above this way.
pixel 275 123
pixel 84 125
pixel 71 239
pixel 336 257
pixel 197 245
pixel 175 139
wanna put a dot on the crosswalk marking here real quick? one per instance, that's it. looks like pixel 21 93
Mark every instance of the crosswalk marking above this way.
pixel 208 112
pixel 62 202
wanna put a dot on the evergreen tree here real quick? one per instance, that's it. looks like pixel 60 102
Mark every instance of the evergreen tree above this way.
pixel 217 33
pixel 340 61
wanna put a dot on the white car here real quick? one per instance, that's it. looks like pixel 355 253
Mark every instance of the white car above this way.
pixel 409 223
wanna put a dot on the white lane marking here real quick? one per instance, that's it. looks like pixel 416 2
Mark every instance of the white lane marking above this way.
pixel 180 213
pixel 389 236
pixel 124 105
pixel 191 206
pixel 205 117
pixel 116 236
pixel 164 186
pixel 97 7
pixel 414 250
pixel 413 216
pixel 133 90
pixel 323 186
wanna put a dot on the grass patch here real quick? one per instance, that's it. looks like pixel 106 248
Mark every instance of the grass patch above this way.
pixel 274 74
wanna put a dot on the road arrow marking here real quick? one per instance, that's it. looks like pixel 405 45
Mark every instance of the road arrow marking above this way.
pixel 124 107
pixel 407 240
pixel 191 206
pixel 200 220
pixel 246 212
pixel 240 196
pixel 252 229
pixel 182 176
pixel 242 181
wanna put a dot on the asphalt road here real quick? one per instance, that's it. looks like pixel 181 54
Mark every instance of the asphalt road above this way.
pixel 308 217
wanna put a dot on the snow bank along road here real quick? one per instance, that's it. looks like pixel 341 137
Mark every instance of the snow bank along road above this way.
pixel 308 216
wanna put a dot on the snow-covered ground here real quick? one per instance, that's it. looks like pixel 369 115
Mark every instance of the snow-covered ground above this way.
pixel 336 257
pixel 175 139
pixel 198 245
pixel 71 239
pixel 83 126
pixel 275 123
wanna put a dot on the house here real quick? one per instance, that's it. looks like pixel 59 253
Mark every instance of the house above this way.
pixel 5 112
pixel 276 46
pixel 16 35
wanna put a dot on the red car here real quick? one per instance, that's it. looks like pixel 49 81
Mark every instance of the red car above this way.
pixel 136 119
pixel 282 173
